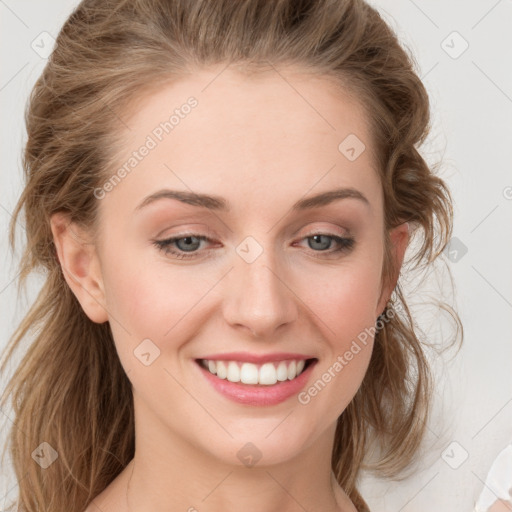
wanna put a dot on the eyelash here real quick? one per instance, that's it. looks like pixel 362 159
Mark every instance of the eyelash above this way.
pixel 345 244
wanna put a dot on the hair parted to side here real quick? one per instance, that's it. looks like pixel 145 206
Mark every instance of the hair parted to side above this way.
pixel 70 389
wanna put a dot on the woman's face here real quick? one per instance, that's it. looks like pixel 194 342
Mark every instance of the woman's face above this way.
pixel 280 277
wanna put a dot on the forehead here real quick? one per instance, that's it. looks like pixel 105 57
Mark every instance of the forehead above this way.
pixel 262 137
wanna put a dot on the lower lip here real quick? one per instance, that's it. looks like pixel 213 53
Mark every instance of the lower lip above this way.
pixel 259 395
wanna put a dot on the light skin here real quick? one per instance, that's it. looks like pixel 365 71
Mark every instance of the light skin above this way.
pixel 501 506
pixel 262 146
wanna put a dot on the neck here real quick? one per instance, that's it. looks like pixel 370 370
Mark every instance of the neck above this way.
pixel 170 474
pixel 266 489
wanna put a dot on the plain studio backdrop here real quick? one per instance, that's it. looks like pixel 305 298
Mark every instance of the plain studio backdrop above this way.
pixel 464 55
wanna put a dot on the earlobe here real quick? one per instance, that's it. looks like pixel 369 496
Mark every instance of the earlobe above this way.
pixel 80 266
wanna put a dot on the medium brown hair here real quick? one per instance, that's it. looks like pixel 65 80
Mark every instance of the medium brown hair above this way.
pixel 70 389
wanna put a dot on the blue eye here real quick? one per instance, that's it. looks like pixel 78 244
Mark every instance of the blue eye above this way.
pixel 190 245
pixel 186 246
pixel 320 241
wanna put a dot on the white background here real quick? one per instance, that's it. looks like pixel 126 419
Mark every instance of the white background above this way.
pixel 471 98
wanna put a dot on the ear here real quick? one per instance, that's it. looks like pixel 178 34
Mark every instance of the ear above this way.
pixel 399 238
pixel 80 265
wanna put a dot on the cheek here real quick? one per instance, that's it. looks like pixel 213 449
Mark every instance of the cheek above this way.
pixel 339 374
pixel 345 303
pixel 345 299
pixel 149 298
pixel 146 300
pixel 151 304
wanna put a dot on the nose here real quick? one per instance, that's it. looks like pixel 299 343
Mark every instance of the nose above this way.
pixel 258 298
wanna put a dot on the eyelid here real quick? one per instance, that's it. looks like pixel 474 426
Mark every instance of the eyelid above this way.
pixel 192 229
pixel 327 231
pixel 345 244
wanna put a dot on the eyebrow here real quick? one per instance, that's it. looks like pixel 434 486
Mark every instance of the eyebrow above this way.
pixel 219 203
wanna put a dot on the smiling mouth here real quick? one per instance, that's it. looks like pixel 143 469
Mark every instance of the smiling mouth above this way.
pixel 267 374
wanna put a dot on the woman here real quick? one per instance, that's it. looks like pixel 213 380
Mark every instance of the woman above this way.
pixel 222 195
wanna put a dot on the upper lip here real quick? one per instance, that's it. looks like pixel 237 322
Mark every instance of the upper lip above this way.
pixel 256 358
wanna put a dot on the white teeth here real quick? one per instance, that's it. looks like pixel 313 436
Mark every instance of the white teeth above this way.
pixel 266 374
pixel 282 372
pixel 292 370
pixel 249 373
pixel 233 372
pixel 222 371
